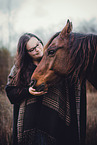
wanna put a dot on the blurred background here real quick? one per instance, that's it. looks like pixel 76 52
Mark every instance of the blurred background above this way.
pixel 43 18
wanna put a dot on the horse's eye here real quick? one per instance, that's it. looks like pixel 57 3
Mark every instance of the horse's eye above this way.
pixel 51 52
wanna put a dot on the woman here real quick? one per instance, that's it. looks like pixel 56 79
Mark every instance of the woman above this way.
pixel 29 53
pixel 41 118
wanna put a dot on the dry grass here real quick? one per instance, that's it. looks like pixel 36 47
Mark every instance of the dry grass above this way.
pixel 91 138
pixel 5 120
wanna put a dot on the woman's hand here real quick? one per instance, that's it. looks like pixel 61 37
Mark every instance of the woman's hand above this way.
pixel 34 92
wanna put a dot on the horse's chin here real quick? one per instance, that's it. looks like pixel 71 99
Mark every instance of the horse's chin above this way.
pixel 53 82
pixel 45 85
pixel 42 87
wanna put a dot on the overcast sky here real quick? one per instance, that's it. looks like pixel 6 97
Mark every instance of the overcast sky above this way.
pixel 30 15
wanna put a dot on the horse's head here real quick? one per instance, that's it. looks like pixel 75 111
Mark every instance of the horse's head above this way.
pixel 55 59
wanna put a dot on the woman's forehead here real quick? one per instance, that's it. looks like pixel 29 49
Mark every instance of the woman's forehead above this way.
pixel 32 42
pixel 34 39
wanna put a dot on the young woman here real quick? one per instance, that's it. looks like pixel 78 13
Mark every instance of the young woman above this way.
pixel 44 118
pixel 29 54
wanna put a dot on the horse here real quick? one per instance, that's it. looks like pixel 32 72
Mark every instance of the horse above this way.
pixel 67 53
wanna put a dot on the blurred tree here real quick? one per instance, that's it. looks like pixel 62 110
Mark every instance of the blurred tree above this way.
pixel 5 64
pixel 6 121
pixel 87 26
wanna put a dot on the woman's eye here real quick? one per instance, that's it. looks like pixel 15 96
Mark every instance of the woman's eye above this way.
pixel 51 52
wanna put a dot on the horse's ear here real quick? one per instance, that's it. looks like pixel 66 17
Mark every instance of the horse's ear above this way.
pixel 67 29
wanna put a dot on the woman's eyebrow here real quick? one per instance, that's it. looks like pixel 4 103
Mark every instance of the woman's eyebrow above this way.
pixel 32 48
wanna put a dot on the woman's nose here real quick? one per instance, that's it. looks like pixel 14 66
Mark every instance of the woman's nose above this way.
pixel 37 48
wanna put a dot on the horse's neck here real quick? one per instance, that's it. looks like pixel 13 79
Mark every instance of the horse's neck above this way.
pixel 91 55
pixel 92 47
pixel 92 69
pixel 93 40
pixel 89 46
pixel 84 53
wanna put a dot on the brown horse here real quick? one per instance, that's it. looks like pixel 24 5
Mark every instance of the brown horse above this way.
pixel 67 53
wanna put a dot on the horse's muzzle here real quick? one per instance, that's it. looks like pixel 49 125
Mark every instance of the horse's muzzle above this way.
pixel 39 88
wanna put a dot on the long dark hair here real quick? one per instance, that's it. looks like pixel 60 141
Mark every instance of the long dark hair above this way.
pixel 23 59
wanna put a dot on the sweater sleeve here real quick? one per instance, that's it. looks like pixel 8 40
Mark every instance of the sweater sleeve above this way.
pixel 17 95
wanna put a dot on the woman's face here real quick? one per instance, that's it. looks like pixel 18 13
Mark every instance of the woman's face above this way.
pixel 34 48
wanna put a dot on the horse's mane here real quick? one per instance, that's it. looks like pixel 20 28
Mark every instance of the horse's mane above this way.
pixel 82 52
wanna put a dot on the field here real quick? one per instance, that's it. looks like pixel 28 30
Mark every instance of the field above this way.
pixel 6 120
pixel 91 138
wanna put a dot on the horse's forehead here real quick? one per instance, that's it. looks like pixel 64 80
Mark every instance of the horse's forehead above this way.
pixel 56 41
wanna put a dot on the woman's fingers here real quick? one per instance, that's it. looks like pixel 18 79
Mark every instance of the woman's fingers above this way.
pixel 38 93
pixel 32 89
pixel 34 92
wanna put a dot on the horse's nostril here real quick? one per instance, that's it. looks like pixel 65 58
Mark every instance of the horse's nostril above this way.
pixel 40 88
pixel 33 82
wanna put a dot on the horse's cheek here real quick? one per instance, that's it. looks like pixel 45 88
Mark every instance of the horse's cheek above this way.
pixel 59 66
